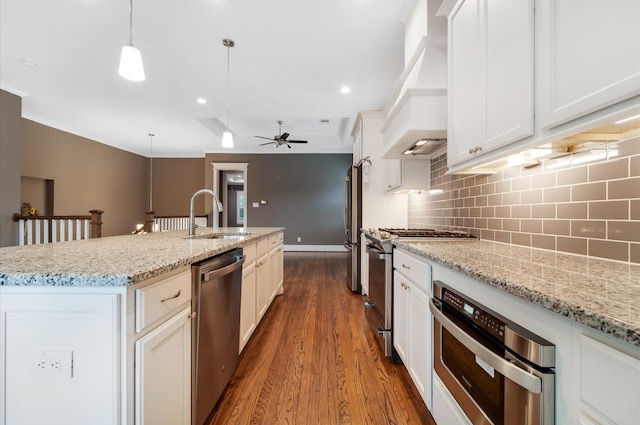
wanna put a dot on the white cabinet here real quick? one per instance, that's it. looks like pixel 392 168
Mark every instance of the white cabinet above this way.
pixel 491 74
pixel 160 344
pixel 413 323
pixel 276 263
pixel 262 280
pixel 163 373
pixel 60 349
pixel 402 175
pixel 609 384
pixel 588 56
pixel 248 317
pixel 263 274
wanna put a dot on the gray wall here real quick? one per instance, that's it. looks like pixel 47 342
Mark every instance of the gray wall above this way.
pixel 10 154
pixel 303 193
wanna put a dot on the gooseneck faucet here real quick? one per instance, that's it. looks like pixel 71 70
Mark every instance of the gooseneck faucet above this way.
pixel 192 224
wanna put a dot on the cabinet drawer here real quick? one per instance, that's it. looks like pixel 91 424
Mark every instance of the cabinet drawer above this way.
pixel 249 252
pixel 275 240
pixel 413 268
pixel 162 299
pixel 263 247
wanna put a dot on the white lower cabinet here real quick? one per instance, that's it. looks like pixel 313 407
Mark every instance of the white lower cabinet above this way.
pixel 609 384
pixel 248 315
pixel 412 320
pixel 163 373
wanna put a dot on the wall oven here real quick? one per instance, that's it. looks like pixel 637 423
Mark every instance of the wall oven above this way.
pixel 497 372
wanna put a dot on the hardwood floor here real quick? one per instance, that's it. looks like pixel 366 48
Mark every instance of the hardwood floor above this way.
pixel 314 359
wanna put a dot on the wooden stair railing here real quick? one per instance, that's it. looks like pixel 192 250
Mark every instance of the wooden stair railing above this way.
pixel 36 229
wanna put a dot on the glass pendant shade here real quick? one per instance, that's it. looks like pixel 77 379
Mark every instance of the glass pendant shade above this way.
pixel 227 139
pixel 131 64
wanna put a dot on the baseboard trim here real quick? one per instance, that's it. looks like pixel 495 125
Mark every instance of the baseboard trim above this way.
pixel 319 248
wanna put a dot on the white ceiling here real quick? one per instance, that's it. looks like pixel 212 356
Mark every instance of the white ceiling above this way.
pixel 290 60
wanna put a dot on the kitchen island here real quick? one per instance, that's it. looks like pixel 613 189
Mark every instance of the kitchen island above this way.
pixel 587 307
pixel 99 331
pixel 118 260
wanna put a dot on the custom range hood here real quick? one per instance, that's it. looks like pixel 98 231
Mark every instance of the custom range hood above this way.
pixel 416 114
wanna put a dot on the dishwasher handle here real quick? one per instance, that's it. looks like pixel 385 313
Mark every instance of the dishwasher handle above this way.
pixel 213 274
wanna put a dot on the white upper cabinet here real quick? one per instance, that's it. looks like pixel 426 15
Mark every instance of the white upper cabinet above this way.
pixel 588 56
pixel 491 74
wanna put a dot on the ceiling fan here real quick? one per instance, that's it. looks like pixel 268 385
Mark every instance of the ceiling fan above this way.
pixel 281 139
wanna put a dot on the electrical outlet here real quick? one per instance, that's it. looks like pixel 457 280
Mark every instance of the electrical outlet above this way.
pixel 299 239
pixel 54 363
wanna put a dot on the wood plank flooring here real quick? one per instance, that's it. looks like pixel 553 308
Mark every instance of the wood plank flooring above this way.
pixel 314 359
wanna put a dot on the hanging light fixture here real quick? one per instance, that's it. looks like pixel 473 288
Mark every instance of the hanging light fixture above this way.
pixel 227 137
pixel 130 59
pixel 151 172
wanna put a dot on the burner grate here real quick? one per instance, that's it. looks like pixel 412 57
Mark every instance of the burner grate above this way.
pixel 427 233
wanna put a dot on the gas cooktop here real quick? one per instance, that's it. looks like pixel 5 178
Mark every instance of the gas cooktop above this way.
pixel 426 233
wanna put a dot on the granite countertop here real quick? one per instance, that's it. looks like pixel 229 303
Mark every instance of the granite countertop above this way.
pixel 117 260
pixel 601 294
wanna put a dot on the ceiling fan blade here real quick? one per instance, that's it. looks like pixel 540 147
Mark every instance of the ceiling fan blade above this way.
pixel 268 143
pixel 288 146
pixel 262 137
pixel 284 136
pixel 297 141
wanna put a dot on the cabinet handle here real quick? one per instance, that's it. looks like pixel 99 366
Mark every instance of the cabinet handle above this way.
pixel 177 294
pixel 475 149
pixel 406 267
pixel 193 315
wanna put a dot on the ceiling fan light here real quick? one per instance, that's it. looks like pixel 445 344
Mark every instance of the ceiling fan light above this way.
pixel 131 64
pixel 227 140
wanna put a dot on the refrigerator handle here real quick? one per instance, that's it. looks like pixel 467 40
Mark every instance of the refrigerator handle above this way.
pixel 345 201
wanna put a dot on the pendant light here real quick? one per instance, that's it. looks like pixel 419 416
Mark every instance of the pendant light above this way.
pixel 151 172
pixel 130 59
pixel 227 137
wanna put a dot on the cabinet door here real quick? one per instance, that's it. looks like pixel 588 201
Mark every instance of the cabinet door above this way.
pixel 163 373
pixel 588 56
pixel 420 342
pixel 277 270
pixel 464 65
pixel 248 305
pixel 392 173
pixel 491 74
pixel 401 341
pixel 508 31
pixel 609 384
pixel 263 286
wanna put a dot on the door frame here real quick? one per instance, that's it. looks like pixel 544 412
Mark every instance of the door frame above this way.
pixel 230 166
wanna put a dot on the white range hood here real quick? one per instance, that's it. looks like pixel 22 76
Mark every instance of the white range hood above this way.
pixel 419 116
pixel 417 111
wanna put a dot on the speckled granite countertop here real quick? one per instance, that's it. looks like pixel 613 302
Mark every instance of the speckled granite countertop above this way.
pixel 117 260
pixel 601 294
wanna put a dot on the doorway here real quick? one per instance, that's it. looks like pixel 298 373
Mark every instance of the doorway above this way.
pixel 230 186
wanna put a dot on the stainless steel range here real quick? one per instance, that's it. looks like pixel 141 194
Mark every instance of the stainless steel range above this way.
pixel 379 303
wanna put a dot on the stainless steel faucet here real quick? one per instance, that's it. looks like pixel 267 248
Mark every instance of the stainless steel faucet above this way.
pixel 192 224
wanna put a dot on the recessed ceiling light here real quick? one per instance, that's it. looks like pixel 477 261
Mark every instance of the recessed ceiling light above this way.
pixel 29 64
pixel 201 101
pixel 345 90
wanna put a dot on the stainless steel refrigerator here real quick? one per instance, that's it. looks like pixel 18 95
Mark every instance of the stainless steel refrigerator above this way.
pixel 353 224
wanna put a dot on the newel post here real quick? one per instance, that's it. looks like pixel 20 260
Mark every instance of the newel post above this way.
pixel 148 225
pixel 96 224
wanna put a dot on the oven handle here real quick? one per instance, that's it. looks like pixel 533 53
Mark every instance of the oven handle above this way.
pixel 521 377
pixel 373 249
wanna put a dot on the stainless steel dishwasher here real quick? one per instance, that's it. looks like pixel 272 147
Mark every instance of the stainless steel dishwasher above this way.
pixel 216 284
